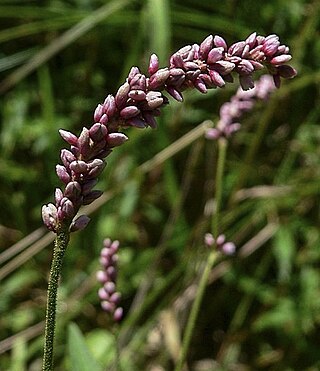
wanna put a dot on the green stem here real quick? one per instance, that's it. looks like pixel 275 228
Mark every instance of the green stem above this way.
pixel 222 149
pixel 60 245
pixel 195 309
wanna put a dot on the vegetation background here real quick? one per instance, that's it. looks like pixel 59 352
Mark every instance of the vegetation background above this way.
pixel 261 310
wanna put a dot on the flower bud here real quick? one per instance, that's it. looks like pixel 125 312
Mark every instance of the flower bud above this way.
pixel 92 196
pixel 154 99
pixel 215 55
pixel 99 111
pixel 103 295
pixel 109 105
pixel 80 223
pixel 237 48
pixel 72 190
pixel 116 139
pixel 216 78
pixel 69 137
pixel 58 195
pixel 176 94
pixel 84 142
pixel 220 42
pixel 67 209
pixel 97 132
pixel 118 314
pixel 63 174
pixel 122 95
pixel 281 59
pixel 67 157
pixel 159 78
pixel 153 64
pixel 251 40
pixel 137 95
pixel 205 47
pixel 129 112
pixel 107 306
pixel 50 216
pixel 79 167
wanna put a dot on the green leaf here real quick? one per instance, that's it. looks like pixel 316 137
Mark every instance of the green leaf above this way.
pixel 284 249
pixel 80 357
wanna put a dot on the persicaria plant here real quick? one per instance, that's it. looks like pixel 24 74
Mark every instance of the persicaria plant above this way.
pixel 137 103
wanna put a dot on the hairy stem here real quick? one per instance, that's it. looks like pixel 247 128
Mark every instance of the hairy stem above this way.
pixel 222 149
pixel 60 245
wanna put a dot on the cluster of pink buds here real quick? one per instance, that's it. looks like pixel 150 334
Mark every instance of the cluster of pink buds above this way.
pixel 243 101
pixel 81 165
pixel 108 295
pixel 139 101
pixel 227 248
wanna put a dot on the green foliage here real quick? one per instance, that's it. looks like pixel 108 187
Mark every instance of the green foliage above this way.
pixel 58 59
pixel 80 356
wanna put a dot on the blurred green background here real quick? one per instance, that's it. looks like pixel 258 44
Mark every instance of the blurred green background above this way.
pixel 261 310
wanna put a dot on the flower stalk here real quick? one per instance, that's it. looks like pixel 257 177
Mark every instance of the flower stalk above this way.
pixel 212 258
pixel 60 246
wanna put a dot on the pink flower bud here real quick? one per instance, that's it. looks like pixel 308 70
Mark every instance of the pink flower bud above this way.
pixel 205 47
pixel 220 42
pixel 69 137
pixel 116 139
pixel 63 174
pixel 122 95
pixel 79 167
pixel 99 111
pixel 154 99
pixel 92 196
pixel 49 216
pixel 80 223
pixel 67 157
pixel 118 314
pixel 176 94
pixel 159 78
pixel 281 59
pixel 216 78
pixel 215 55
pixel 237 48
pixel 58 195
pixel 138 95
pixel 109 287
pixel 153 64
pixel 84 142
pixel 72 190
pixel 129 112
pixel 103 295
pixel 109 105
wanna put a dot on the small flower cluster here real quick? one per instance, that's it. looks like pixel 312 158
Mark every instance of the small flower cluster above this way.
pixel 139 101
pixel 241 102
pixel 81 167
pixel 227 248
pixel 110 298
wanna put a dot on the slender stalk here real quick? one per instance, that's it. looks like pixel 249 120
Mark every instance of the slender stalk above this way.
pixel 60 245
pixel 222 149
pixel 195 309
